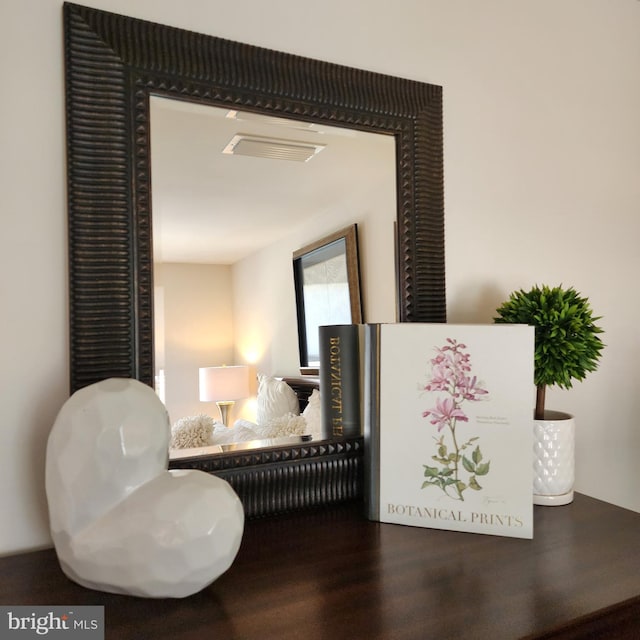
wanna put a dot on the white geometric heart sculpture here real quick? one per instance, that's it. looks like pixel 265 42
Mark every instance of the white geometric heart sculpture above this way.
pixel 120 521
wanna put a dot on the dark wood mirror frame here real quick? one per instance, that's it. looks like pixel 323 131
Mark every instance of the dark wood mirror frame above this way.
pixel 113 64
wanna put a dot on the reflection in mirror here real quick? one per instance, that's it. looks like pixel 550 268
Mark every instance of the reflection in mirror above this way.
pixel 327 283
pixel 113 66
pixel 225 227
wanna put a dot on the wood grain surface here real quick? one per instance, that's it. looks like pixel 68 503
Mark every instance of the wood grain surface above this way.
pixel 332 574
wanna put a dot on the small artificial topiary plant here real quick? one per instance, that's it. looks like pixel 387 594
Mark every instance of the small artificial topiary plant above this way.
pixel 567 345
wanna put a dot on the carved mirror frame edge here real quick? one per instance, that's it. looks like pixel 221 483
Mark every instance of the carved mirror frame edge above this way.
pixel 112 65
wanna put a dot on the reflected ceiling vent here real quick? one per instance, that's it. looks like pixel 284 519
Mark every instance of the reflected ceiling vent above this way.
pixel 260 147
pixel 261 118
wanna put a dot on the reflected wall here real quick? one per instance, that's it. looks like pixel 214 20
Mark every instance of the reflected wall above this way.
pixel 246 313
pixel 193 328
pixel 209 208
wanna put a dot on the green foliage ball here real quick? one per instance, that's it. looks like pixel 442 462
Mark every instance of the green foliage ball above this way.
pixel 567 345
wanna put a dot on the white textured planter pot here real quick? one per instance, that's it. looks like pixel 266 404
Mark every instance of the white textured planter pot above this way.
pixel 553 459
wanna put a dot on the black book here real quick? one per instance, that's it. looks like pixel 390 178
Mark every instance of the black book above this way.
pixel 340 380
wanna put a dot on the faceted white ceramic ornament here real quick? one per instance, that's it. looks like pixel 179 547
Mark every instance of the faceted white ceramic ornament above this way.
pixel 553 459
pixel 120 521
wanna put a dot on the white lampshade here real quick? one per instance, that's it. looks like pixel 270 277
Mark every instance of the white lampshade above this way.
pixel 223 383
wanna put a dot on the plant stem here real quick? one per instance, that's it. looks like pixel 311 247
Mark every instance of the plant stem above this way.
pixel 540 393
pixel 452 427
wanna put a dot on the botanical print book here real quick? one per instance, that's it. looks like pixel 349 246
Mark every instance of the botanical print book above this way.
pixel 448 426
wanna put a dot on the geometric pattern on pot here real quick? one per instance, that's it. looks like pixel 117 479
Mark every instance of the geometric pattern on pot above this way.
pixel 554 459
pixel 120 521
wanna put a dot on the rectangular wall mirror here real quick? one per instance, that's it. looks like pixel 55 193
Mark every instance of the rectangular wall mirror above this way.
pixel 114 66
pixel 327 282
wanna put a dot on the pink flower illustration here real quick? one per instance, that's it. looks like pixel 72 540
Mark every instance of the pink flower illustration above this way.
pixel 451 376
pixel 470 390
pixel 445 411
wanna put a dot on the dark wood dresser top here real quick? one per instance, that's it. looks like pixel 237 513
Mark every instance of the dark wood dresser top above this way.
pixel 332 574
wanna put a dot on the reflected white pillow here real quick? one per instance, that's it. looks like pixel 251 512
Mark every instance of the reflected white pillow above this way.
pixel 275 399
pixel 286 425
pixel 241 431
pixel 312 414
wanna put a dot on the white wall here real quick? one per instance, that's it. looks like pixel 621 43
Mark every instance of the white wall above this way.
pixel 264 294
pixel 208 314
pixel 542 157
pixel 198 331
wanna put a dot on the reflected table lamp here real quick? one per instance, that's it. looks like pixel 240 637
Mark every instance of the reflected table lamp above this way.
pixel 224 385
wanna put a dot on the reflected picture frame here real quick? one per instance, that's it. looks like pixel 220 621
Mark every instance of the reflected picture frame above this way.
pixel 329 266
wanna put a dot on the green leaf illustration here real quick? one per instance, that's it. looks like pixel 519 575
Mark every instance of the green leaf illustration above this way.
pixel 473 484
pixel 468 465
pixel 483 468
pixel 469 442
pixel 430 471
pixel 476 455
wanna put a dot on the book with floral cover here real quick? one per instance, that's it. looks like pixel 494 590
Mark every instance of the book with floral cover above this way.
pixel 448 426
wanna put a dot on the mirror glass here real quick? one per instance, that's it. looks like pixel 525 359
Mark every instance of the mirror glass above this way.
pixel 227 220
pixel 327 282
